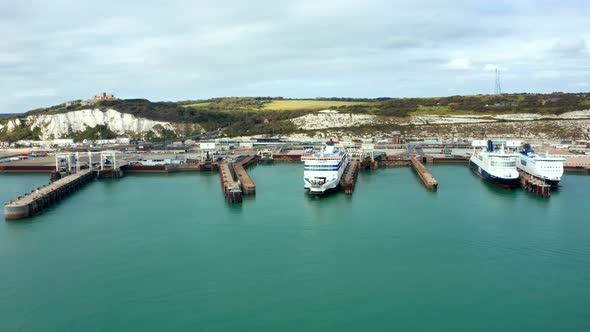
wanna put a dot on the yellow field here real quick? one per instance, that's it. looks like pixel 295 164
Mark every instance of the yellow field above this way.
pixel 440 110
pixel 288 105
pixel 197 105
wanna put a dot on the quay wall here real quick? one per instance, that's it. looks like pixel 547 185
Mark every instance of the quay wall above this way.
pixel 394 163
pixel 577 169
pixel 286 157
pixel 145 169
pixel 26 169
pixel 451 160
pixel 170 168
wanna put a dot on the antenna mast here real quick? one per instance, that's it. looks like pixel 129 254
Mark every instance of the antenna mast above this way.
pixel 498 88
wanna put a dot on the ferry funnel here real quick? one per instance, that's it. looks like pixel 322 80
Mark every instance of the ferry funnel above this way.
pixel 490 146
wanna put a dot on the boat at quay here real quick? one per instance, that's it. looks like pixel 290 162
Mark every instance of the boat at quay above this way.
pixel 540 165
pixel 497 167
pixel 322 170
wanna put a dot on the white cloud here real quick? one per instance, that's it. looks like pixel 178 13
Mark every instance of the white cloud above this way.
pixel 493 67
pixel 572 44
pixel 458 64
pixel 190 49
pixel 34 93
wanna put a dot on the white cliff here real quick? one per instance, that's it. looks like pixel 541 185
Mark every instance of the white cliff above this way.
pixel 464 119
pixel 62 124
pixel 332 119
pixel 11 125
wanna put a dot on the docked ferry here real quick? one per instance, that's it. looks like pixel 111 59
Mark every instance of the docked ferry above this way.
pixel 322 171
pixel 540 165
pixel 496 167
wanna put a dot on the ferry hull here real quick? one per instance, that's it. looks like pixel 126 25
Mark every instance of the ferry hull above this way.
pixel 321 192
pixel 322 171
pixel 324 189
pixel 500 182
pixel 552 183
pixel 548 169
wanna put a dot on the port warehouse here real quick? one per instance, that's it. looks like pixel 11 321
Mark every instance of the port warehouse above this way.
pixel 231 162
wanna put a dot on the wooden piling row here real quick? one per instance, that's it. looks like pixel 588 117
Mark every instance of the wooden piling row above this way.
pixel 534 185
pixel 37 200
pixel 427 178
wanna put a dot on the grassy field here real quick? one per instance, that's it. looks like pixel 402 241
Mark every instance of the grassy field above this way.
pixel 440 110
pixel 289 105
pixel 197 105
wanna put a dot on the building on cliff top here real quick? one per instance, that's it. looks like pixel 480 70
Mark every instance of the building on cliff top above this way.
pixel 99 97
pixel 104 96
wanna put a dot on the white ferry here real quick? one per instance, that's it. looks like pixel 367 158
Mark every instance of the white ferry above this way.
pixel 496 167
pixel 540 165
pixel 322 171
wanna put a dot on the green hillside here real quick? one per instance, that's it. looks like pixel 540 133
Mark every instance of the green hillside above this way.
pixel 269 115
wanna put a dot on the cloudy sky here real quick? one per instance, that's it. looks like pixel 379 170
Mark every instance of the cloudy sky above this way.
pixel 54 51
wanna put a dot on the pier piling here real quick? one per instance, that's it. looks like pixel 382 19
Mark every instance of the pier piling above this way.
pixel 534 185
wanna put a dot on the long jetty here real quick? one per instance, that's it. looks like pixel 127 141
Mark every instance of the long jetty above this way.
pixel 231 188
pixel 427 178
pixel 248 186
pixel 37 200
pixel 235 181
pixel 348 179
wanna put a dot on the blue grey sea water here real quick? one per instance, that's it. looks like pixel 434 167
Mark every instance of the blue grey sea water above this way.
pixel 167 253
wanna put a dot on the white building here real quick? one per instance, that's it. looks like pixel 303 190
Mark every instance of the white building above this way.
pixel 163 161
pixel 207 146
pixel 62 141
pixel 106 141
pixel 123 140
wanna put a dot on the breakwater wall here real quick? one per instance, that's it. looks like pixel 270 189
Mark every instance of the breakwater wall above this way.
pixel 246 182
pixel 229 185
pixel 36 201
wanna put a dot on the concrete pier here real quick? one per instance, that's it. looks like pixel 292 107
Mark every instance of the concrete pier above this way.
pixel 348 179
pixel 427 178
pixel 231 188
pixel 248 185
pixel 34 202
